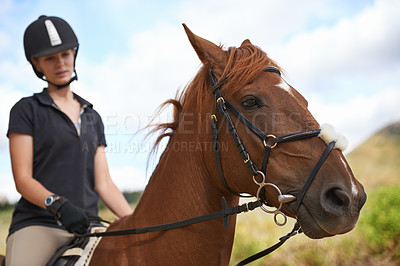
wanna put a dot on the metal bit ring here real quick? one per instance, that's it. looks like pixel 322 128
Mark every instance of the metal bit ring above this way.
pixel 277 189
pixel 276 219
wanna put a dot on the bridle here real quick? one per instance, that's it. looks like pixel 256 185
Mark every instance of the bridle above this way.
pixel 269 142
pixel 223 105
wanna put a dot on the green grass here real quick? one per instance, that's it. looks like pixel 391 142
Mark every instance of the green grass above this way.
pixel 5 219
pixel 381 221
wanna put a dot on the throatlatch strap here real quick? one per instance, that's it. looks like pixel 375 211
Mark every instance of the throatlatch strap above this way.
pixel 216 147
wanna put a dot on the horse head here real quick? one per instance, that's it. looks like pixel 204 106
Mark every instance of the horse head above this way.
pixel 262 124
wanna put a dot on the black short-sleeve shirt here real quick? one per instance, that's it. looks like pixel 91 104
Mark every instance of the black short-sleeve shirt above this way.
pixel 63 159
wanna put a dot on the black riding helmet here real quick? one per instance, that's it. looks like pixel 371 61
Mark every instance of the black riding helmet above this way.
pixel 49 35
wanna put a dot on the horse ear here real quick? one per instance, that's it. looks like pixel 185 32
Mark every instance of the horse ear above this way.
pixel 246 42
pixel 208 52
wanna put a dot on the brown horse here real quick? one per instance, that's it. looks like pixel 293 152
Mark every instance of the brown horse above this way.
pixel 186 182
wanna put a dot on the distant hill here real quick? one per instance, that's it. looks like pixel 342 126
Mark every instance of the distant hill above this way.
pixel 376 162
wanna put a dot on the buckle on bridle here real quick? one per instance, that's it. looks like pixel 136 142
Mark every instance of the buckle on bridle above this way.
pixel 221 99
pixel 248 159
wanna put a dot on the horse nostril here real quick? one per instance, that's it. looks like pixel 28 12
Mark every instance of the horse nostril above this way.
pixel 335 201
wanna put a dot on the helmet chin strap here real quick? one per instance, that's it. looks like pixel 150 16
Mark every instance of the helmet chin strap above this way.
pixel 75 77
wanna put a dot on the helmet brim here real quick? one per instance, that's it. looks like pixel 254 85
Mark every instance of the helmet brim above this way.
pixel 55 49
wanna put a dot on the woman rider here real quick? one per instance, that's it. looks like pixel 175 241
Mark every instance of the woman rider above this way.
pixel 57 152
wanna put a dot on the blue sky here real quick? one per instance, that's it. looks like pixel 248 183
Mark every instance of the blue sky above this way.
pixel 341 55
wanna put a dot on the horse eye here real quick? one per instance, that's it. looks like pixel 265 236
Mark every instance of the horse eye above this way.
pixel 249 102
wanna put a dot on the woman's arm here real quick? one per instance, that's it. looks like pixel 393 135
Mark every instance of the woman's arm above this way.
pixel 109 193
pixel 21 152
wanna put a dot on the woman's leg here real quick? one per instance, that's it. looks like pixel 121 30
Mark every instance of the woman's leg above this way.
pixel 34 245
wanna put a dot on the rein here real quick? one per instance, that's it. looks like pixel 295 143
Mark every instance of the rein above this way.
pixel 224 213
pixel 222 105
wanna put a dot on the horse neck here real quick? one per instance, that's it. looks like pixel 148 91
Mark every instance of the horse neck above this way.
pixel 181 188
pixel 182 182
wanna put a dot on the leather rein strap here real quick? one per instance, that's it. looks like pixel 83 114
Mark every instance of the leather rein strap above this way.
pixel 224 213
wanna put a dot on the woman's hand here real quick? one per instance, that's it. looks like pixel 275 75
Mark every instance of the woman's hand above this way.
pixel 73 218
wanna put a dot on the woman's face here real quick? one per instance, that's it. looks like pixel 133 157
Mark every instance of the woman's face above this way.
pixel 57 67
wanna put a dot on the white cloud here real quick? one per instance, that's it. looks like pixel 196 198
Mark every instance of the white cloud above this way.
pixel 132 87
pixel 365 45
pixel 349 71
pixel 129 178
pixel 361 116
pixel 7 187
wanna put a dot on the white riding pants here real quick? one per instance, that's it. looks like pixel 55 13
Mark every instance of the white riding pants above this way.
pixel 34 245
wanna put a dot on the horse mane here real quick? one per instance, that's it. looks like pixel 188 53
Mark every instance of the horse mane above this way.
pixel 244 64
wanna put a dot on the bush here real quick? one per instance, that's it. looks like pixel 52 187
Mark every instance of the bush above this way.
pixel 133 197
pixel 380 221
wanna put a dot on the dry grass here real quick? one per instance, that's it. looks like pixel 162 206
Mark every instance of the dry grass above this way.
pixel 376 163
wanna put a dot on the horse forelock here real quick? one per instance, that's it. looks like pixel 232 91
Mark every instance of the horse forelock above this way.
pixel 244 64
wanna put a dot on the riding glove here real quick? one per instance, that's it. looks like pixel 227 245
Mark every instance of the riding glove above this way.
pixel 73 218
